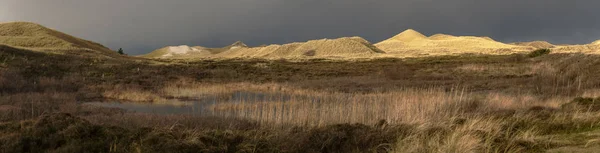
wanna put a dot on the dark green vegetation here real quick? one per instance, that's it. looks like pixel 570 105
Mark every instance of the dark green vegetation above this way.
pixel 539 52
pixel 120 51
pixel 41 98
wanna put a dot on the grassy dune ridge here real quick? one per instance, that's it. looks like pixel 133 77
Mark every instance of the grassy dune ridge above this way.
pixel 469 103
pixel 35 36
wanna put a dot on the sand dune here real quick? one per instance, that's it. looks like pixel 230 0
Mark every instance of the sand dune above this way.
pixel 185 51
pixel 36 37
pixel 412 43
pixel 346 47
pixel 407 36
pixel 409 43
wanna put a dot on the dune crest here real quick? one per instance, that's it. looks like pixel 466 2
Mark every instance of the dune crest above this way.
pixel 237 44
pixel 407 36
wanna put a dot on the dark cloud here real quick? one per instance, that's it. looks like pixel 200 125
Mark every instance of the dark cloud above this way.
pixel 139 26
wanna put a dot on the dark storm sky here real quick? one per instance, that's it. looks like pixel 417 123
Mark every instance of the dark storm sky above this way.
pixel 140 26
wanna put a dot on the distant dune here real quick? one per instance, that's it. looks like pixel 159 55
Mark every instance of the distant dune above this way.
pixel 346 47
pixel 412 43
pixel 37 37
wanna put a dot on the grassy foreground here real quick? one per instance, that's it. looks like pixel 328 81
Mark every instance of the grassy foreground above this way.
pixel 470 103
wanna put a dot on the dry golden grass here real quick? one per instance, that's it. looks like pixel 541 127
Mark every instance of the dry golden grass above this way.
pixel 133 94
pixel 591 93
pixel 283 104
pixel 445 121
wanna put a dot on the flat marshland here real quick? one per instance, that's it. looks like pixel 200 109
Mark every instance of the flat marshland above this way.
pixel 467 103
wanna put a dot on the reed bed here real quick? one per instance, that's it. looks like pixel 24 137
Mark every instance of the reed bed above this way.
pixel 403 106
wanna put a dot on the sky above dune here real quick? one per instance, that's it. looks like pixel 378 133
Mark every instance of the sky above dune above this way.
pixel 140 26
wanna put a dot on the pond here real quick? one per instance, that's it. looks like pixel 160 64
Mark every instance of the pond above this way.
pixel 196 107
pixel 285 108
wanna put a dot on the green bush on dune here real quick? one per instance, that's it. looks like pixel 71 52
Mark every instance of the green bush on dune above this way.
pixel 539 52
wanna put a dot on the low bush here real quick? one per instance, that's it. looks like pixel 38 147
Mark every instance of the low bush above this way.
pixel 539 52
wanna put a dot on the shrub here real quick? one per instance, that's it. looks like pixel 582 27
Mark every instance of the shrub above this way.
pixel 121 51
pixel 539 52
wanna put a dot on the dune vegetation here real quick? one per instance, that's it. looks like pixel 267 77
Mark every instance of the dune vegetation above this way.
pixel 529 101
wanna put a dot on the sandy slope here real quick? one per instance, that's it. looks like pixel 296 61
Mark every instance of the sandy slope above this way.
pixel 37 37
